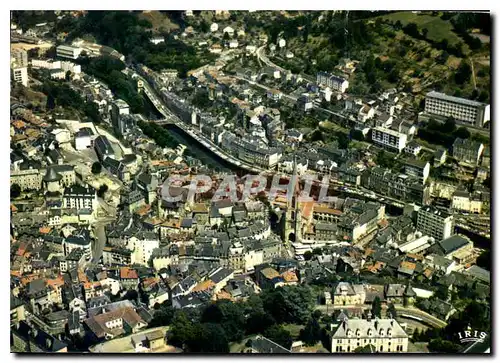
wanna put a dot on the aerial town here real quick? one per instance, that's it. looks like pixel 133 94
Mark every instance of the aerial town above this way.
pixel 267 182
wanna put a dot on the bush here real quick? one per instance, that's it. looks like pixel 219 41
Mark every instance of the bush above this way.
pixel 96 168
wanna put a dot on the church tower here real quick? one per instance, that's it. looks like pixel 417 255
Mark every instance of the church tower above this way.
pixel 292 222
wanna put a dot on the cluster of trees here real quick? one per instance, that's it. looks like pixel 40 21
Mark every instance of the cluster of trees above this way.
pixel 15 191
pixel 61 94
pixel 158 133
pixel 29 18
pixel 376 70
pixel 213 327
pixel 469 20
pixel 413 31
pixel 108 70
pixel 385 159
pixel 476 315
pixel 442 133
pixel 126 32
pixel 201 100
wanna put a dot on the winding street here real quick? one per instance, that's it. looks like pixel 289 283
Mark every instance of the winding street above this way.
pixel 408 312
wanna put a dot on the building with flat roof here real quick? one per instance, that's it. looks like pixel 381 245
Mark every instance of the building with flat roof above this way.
pixel 434 222
pixel 68 51
pixel 19 75
pixel 389 139
pixel 466 111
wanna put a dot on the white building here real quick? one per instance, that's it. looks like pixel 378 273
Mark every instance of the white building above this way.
pixel 20 75
pixel 434 222
pixel 72 242
pixel 45 63
pixel 57 73
pixel 463 110
pixel 389 139
pixel 229 31
pixel 214 27
pixel 233 43
pixel 72 67
pixel 68 51
pixel 282 43
pixel 334 82
pixel 142 249
pixel 463 202
pixel 157 39
pixel 80 198
pixel 385 335
pixel 83 139
pixel 251 49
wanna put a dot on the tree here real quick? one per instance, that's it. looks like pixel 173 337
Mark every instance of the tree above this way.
pixel 392 310
pixel 463 73
pixel 51 103
pixel 357 135
pixel 462 132
pixel 162 316
pixel 67 76
pixel 91 110
pixel 308 255
pixel 96 168
pixel 204 27
pixel 311 333
pixel 424 32
pixel 442 293
pixel 449 125
pixel 484 259
pixel 443 346
pixel 102 190
pixel 211 338
pixel 15 191
pixel 288 304
pixel 229 315
pixel 279 335
pixel 226 36
pixel 377 307
pixel 483 96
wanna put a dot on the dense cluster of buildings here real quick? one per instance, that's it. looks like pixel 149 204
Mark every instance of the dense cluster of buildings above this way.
pixel 96 250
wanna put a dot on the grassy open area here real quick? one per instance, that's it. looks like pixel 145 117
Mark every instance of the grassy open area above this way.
pixel 438 28
pixel 294 329
pixel 158 20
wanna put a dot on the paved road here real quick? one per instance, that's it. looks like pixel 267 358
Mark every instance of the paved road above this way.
pixel 261 55
pixel 99 242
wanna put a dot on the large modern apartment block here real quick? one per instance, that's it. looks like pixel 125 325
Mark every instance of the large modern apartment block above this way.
pixel 434 223
pixel 389 139
pixel 465 111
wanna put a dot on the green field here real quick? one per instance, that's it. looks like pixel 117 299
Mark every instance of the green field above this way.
pixel 438 29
